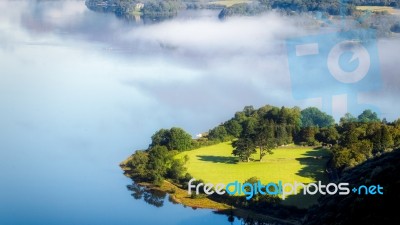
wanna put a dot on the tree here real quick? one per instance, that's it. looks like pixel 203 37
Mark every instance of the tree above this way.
pixel 219 133
pixel 351 134
pixel 174 139
pixel 233 128
pixel 347 118
pixel 240 117
pixel 328 135
pixel 396 133
pixel 158 164
pixel 161 138
pixel 179 139
pixel 177 169
pixel 138 163
pixel 249 127
pixel 307 135
pixel 243 148
pixel 282 136
pixel 352 155
pixel 368 116
pixel 252 181
pixel 312 116
pixel 264 138
pixel 248 110
pixel 387 139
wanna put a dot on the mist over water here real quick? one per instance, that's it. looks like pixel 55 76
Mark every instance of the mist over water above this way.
pixel 80 91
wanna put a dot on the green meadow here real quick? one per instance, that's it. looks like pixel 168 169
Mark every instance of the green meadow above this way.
pixel 229 3
pixel 215 164
pixel 387 9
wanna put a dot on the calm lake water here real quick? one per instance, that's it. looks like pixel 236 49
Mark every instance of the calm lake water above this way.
pixel 80 91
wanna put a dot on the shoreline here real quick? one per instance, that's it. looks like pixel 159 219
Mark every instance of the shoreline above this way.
pixel 180 196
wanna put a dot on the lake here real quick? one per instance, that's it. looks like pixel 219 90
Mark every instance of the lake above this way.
pixel 80 91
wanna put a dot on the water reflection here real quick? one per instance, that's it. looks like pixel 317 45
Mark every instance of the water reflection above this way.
pixel 187 11
pixel 121 14
pixel 150 196
pixel 156 198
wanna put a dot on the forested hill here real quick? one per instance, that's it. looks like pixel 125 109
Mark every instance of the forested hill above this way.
pixel 363 209
pixel 331 7
pixel 352 141
pixel 149 8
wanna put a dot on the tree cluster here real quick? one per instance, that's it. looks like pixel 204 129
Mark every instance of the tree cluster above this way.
pixel 269 127
pixel 154 165
pixel 158 162
pixel 363 138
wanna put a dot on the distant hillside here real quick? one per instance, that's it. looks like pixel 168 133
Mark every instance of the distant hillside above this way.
pixel 364 209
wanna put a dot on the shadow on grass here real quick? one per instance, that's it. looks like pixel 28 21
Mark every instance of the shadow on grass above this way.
pixel 314 164
pixel 218 159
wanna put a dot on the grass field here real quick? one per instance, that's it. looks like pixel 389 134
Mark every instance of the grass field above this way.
pixel 215 164
pixel 389 9
pixel 229 3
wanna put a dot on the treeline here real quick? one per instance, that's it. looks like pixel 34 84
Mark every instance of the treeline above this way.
pixel 147 8
pixel 363 138
pixel 244 9
pixel 269 127
pixel 352 141
pixel 153 8
pixel 163 9
pixel 331 7
pixel 393 3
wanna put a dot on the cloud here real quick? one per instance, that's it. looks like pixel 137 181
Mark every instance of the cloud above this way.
pixel 195 65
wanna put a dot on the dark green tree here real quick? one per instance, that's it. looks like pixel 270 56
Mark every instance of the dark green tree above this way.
pixel 347 118
pixel 387 139
pixel 179 139
pixel 248 110
pixel 218 133
pixel 161 137
pixel 243 148
pixel 138 164
pixel 328 135
pixel 174 139
pixel 367 116
pixel 177 169
pixel 233 128
pixel 313 117
pixel 264 138
pixel 307 136
pixel 158 164
pixel 282 136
